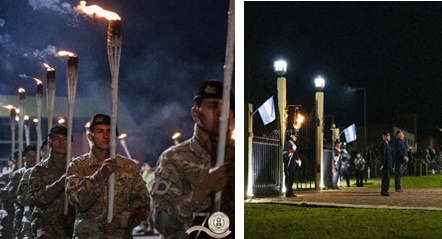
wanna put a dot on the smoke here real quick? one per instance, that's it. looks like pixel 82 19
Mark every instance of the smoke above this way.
pixel 2 22
pixel 65 9
pixel 42 54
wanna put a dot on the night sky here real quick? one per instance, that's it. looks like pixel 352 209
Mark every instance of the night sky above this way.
pixel 169 47
pixel 393 49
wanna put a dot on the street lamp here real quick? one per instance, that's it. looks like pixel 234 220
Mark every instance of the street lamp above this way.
pixel 280 67
pixel 320 84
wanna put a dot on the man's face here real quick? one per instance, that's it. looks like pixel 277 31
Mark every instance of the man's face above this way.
pixel 100 136
pixel 43 151
pixel 58 143
pixel 31 158
pixel 387 137
pixel 400 135
pixel 207 115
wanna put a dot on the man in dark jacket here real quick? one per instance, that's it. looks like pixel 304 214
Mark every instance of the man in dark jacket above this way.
pixel 400 158
pixel 385 154
pixel 290 158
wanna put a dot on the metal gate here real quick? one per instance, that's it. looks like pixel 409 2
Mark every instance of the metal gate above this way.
pixel 266 165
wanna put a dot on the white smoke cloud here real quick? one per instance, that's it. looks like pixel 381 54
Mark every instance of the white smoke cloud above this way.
pixel 63 8
pixel 42 54
pixel 2 22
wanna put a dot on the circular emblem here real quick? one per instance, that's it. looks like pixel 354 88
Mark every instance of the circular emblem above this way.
pixel 219 222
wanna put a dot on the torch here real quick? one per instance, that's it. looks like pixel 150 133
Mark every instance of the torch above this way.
pixel 175 137
pixel 21 103
pixel 50 95
pixel 87 128
pixel 114 53
pixel 228 72
pixel 72 77
pixel 123 143
pixel 27 132
pixel 38 97
pixel 13 114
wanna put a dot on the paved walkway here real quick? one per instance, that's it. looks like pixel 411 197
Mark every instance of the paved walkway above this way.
pixel 421 199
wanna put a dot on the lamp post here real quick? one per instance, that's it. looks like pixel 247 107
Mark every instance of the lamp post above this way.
pixel 280 68
pixel 319 96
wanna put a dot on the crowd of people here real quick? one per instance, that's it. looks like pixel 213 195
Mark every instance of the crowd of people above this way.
pixel 51 199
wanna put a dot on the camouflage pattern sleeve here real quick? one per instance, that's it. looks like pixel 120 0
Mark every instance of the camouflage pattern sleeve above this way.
pixel 83 190
pixel 43 195
pixel 173 196
pixel 139 207
pixel 4 181
pixel 23 194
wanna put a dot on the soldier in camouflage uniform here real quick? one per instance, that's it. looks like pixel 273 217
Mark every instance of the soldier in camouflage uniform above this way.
pixel 87 188
pixel 47 190
pixel 183 184
pixel 30 160
pixel 7 212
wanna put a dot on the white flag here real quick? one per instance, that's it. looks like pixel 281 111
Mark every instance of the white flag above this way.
pixel 267 111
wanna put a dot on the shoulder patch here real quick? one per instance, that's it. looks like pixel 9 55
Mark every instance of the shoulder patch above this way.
pixel 161 187
pixel 72 183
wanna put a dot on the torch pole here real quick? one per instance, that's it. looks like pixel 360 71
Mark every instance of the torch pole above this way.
pixel 50 97
pixel 123 143
pixel 27 131
pixel 114 53
pixel 72 77
pixel 228 72
pixel 21 115
pixel 13 115
pixel 39 104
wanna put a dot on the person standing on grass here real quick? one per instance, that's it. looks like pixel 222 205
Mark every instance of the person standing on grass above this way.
pixel 400 158
pixel 385 154
pixel 359 168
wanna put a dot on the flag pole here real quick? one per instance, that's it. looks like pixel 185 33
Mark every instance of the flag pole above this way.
pixel 227 81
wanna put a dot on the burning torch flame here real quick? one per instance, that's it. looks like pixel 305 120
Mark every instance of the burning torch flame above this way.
pixel 9 107
pixel 122 136
pixel 300 119
pixel 176 135
pixel 66 53
pixel 233 135
pixel 21 90
pixel 26 117
pixel 87 125
pixel 61 121
pixel 39 82
pixel 97 11
pixel 48 67
pixel 35 120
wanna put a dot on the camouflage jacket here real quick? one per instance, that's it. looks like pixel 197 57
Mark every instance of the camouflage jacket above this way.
pixel 179 169
pixel 90 197
pixel 48 198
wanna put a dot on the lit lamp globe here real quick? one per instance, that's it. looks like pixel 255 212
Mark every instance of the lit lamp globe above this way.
pixel 280 67
pixel 319 83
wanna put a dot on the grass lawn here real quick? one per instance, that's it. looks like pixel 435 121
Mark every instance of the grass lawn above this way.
pixel 289 221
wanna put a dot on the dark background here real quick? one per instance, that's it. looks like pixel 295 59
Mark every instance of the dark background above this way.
pixel 393 49
pixel 169 47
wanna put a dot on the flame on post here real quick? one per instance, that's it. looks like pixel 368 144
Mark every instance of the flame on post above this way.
pixel 66 53
pixel 35 120
pixel 176 135
pixel 96 11
pixel 122 136
pixel 87 125
pixel 61 120
pixel 9 107
pixel 48 67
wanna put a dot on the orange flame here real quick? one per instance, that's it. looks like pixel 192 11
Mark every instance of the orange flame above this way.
pixel 39 82
pixel 9 107
pixel 122 136
pixel 176 135
pixel 61 120
pixel 48 67
pixel 87 125
pixel 233 136
pixel 21 90
pixel 97 11
pixel 66 53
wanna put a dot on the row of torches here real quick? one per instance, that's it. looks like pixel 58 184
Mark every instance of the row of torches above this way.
pixel 114 41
